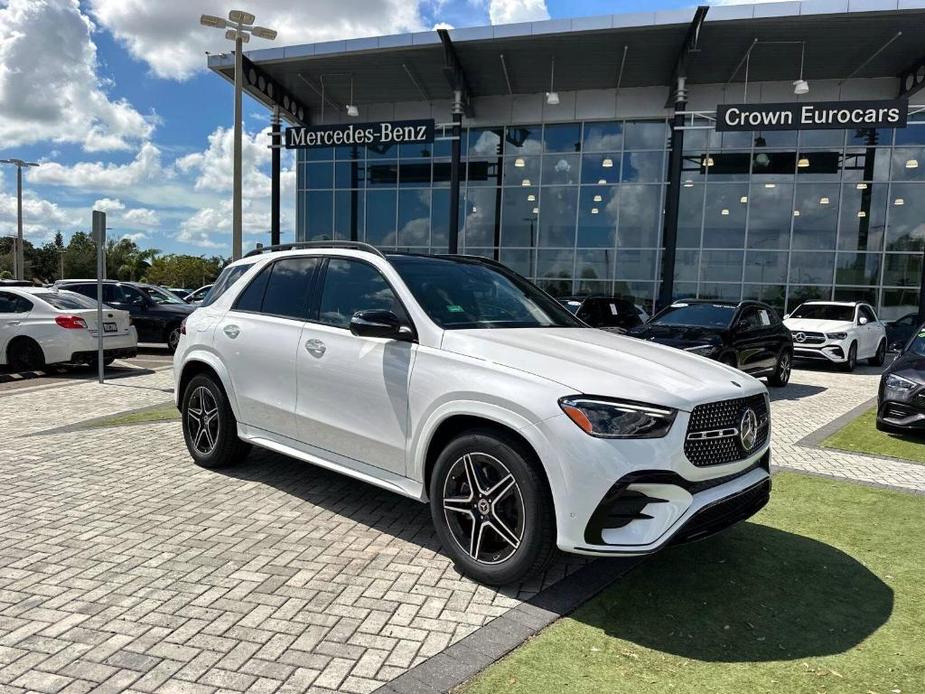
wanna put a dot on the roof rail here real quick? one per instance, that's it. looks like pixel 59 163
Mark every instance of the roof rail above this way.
pixel 352 245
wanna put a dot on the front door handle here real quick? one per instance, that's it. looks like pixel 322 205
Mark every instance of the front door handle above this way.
pixel 315 347
pixel 231 331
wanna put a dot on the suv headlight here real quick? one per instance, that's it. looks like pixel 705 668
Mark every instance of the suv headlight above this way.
pixel 903 385
pixel 702 350
pixel 607 418
pixel 836 336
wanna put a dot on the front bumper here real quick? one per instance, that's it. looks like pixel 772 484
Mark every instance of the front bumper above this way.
pixel 833 352
pixel 901 413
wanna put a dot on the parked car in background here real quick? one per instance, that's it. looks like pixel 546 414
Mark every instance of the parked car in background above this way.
pixel 157 313
pixel 748 335
pixel 197 295
pixel 900 330
pixel 178 292
pixel 454 381
pixel 40 326
pixel 837 332
pixel 901 398
pixel 606 312
pixel 15 283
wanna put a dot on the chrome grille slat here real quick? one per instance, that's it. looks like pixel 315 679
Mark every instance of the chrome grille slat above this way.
pixel 704 450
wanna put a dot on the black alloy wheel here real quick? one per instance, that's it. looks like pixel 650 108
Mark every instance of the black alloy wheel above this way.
pixel 209 425
pixel 852 360
pixel 25 354
pixel 173 337
pixel 879 356
pixel 492 507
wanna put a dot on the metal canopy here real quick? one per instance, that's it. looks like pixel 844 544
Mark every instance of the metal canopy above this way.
pixel 588 53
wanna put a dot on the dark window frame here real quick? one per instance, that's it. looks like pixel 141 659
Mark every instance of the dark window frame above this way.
pixel 269 267
pixel 18 301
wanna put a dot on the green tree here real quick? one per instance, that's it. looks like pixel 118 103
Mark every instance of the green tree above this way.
pixel 80 257
pixel 184 270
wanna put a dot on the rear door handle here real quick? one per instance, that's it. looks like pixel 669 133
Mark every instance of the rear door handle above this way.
pixel 315 347
pixel 231 331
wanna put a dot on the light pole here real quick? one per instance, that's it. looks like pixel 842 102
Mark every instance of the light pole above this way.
pixel 239 26
pixel 19 263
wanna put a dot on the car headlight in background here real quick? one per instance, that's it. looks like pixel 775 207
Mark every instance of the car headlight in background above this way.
pixel 903 385
pixel 836 336
pixel 702 350
pixel 617 419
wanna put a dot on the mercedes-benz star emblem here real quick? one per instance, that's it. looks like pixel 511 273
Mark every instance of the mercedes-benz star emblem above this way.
pixel 799 337
pixel 748 429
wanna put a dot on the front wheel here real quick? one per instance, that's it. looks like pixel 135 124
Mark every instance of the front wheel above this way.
pixel 782 369
pixel 492 508
pixel 879 356
pixel 852 359
pixel 172 338
pixel 209 426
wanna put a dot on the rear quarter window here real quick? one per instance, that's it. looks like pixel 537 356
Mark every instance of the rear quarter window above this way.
pixel 225 281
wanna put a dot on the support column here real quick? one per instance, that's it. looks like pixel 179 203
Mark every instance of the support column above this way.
pixel 274 177
pixel 673 197
pixel 454 172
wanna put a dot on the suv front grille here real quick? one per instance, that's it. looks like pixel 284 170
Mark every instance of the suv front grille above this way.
pixel 713 433
pixel 808 338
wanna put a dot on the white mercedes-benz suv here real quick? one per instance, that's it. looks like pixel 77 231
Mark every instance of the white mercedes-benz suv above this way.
pixel 454 381
pixel 838 332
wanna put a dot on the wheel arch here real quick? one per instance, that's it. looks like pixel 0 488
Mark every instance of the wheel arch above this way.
pixel 24 339
pixel 208 364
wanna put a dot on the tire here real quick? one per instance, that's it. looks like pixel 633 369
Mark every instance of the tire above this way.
pixel 209 426
pixel 172 337
pixel 108 360
pixel 509 510
pixel 852 360
pixel 879 356
pixel 782 369
pixel 25 354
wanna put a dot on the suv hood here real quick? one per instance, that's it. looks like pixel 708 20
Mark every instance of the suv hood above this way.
pixel 593 362
pixel 179 309
pixel 818 326
pixel 679 335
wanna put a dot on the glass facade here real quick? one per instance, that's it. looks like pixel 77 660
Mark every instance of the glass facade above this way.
pixel 578 208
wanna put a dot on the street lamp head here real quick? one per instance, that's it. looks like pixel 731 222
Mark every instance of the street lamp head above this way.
pixel 264 33
pixel 233 34
pixel 241 17
pixel 210 20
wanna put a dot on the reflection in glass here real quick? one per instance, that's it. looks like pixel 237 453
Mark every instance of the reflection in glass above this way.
pixel 724 216
pixel 721 266
pixel 766 267
pixel 815 216
pixel 906 228
pixel 902 269
pixel 414 217
pixel 560 169
pixel 690 214
pixel 645 134
pixel 485 142
pixel 319 214
pixel 380 217
pixel 857 268
pixel 557 216
pixel 350 174
pixel 770 215
pixel 565 137
pixel 640 216
pixel 319 175
pixel 862 233
pixel 523 139
pixel 594 264
pixel 643 166
pixel 520 168
pixel 603 167
pixel 348 215
pixel 772 294
pixel 554 270
pixel 687 266
pixel 797 295
pixel 808 267
pixel 720 292
pixel 482 218
pixel 597 216
pixel 635 265
pixel 519 221
pixel 601 137
pixel 519 260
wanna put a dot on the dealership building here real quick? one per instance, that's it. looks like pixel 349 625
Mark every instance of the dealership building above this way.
pixel 770 151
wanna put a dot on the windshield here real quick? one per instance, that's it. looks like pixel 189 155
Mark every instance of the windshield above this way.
pixel 459 293
pixel 66 301
pixel 161 296
pixel 696 315
pixel 571 305
pixel 917 344
pixel 824 312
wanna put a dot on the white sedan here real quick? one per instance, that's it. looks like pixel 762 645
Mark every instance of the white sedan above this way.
pixel 838 332
pixel 41 326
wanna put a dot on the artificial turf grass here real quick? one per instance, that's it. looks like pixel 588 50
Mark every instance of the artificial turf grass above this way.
pixel 861 436
pixel 159 413
pixel 821 592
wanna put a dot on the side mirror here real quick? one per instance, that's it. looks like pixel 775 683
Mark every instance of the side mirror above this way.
pixel 862 321
pixel 786 316
pixel 377 323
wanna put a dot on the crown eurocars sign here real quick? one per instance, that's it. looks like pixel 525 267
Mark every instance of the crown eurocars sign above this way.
pixel 820 115
pixel 382 133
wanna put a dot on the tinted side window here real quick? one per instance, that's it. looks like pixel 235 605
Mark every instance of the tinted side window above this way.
pixel 132 296
pixel 868 313
pixel 11 303
pixel 351 286
pixel 85 289
pixel 111 292
pixel 750 319
pixel 287 289
pixel 225 280
pixel 251 299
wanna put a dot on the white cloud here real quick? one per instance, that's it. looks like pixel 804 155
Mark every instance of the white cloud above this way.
pixel 167 36
pixel 443 25
pixel 41 218
pixel 136 237
pixel 108 205
pixel 141 216
pixel 145 167
pixel 49 87
pixel 214 166
pixel 510 11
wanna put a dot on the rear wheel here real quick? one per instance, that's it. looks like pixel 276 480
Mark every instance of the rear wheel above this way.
pixel 492 508
pixel 852 359
pixel 25 354
pixel 879 356
pixel 209 426
pixel 172 337
pixel 782 369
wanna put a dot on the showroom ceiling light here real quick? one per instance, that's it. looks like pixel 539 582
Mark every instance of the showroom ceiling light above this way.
pixel 607 163
pixel 743 199
pixel 593 210
pixel 770 185
pixel 688 183
pixel 899 202
pixel 525 183
pixel 708 161
pixel 824 200
pixel 862 213
pixel 912 163
pixel 352 110
pixel 602 181
pixel 724 212
pixel 598 198
pixel 520 163
pixel 762 159
pixel 861 186
pixel 801 86
pixel 536 210
pixel 803 162
pixel 531 198
pixel 552 96
pixel 796 213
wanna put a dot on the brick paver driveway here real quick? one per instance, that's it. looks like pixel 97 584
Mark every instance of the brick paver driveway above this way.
pixel 123 566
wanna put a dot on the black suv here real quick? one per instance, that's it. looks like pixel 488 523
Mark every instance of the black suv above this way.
pixel 748 335
pixel 608 313
pixel 156 313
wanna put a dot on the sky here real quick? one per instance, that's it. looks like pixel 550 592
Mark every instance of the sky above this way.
pixel 113 100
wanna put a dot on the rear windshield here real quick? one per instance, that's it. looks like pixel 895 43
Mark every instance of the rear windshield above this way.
pixel 824 312
pixel 66 301
pixel 697 315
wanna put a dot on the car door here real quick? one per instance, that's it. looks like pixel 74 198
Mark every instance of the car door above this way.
pixel 353 391
pixel 752 340
pixel 258 340
pixel 128 298
pixel 11 319
pixel 872 330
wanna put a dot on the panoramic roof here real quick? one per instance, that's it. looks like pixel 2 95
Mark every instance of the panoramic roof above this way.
pixel 842 38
